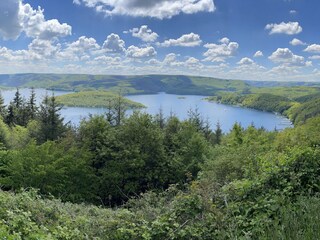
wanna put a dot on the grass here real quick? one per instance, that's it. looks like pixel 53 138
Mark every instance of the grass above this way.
pixel 298 221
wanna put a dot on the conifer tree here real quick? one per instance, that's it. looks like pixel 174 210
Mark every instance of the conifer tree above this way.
pixel 218 133
pixel 32 106
pixel 17 101
pixel 10 118
pixel 51 122
pixel 3 110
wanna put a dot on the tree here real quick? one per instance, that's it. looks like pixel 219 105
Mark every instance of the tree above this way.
pixel 51 122
pixel 237 134
pixel 11 116
pixel 18 100
pixel 160 118
pixel 18 111
pixel 116 110
pixel 3 110
pixel 196 119
pixel 218 133
pixel 32 106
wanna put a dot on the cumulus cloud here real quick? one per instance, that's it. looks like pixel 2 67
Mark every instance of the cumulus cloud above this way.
pixel 315 57
pixel 144 33
pixel 80 49
pixel 136 52
pixel 105 60
pixel 17 17
pixel 40 48
pixel 296 42
pixel 192 61
pixel 314 48
pixel 84 44
pixel 224 40
pixel 246 61
pixel 10 23
pixel 114 44
pixel 286 57
pixel 186 40
pixel 151 8
pixel 258 54
pixel 171 60
pixel 220 52
pixel 289 28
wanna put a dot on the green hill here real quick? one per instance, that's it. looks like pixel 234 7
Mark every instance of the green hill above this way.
pixel 95 99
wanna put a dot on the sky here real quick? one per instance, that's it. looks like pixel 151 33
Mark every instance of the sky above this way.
pixel 277 40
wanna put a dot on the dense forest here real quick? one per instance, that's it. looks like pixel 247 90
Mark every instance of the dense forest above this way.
pixel 297 109
pixel 155 177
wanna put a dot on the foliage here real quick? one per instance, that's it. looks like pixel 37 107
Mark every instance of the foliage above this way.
pixel 164 178
pixel 93 99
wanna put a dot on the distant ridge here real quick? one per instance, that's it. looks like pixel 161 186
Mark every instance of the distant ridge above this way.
pixel 137 84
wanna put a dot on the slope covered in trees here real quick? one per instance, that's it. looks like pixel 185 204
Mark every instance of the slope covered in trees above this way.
pixel 298 109
pixel 149 84
pixel 95 99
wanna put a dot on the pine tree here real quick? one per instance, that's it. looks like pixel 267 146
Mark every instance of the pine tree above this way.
pixel 17 101
pixel 196 119
pixel 218 133
pixel 11 116
pixel 51 122
pixel 3 110
pixel 116 110
pixel 32 106
pixel 160 119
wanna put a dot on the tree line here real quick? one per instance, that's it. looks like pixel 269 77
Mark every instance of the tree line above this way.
pixel 21 111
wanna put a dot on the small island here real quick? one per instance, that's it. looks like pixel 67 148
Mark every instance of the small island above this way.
pixel 95 99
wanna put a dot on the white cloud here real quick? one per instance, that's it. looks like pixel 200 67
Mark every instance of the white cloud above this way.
pixel 144 33
pixel 80 49
pixel 149 8
pixel 289 28
pixel 314 48
pixel 286 57
pixel 224 40
pixel 171 60
pixel 105 60
pixel 296 42
pixel 84 44
pixel 10 24
pixel 258 54
pixel 136 52
pixel 153 61
pixel 220 52
pixel 114 44
pixel 43 48
pixel 246 61
pixel 186 40
pixel 293 12
pixel 315 57
pixel 192 61
pixel 16 17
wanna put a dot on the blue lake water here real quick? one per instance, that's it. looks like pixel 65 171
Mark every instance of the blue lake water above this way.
pixel 178 105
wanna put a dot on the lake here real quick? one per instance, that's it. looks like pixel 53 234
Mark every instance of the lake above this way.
pixel 175 104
